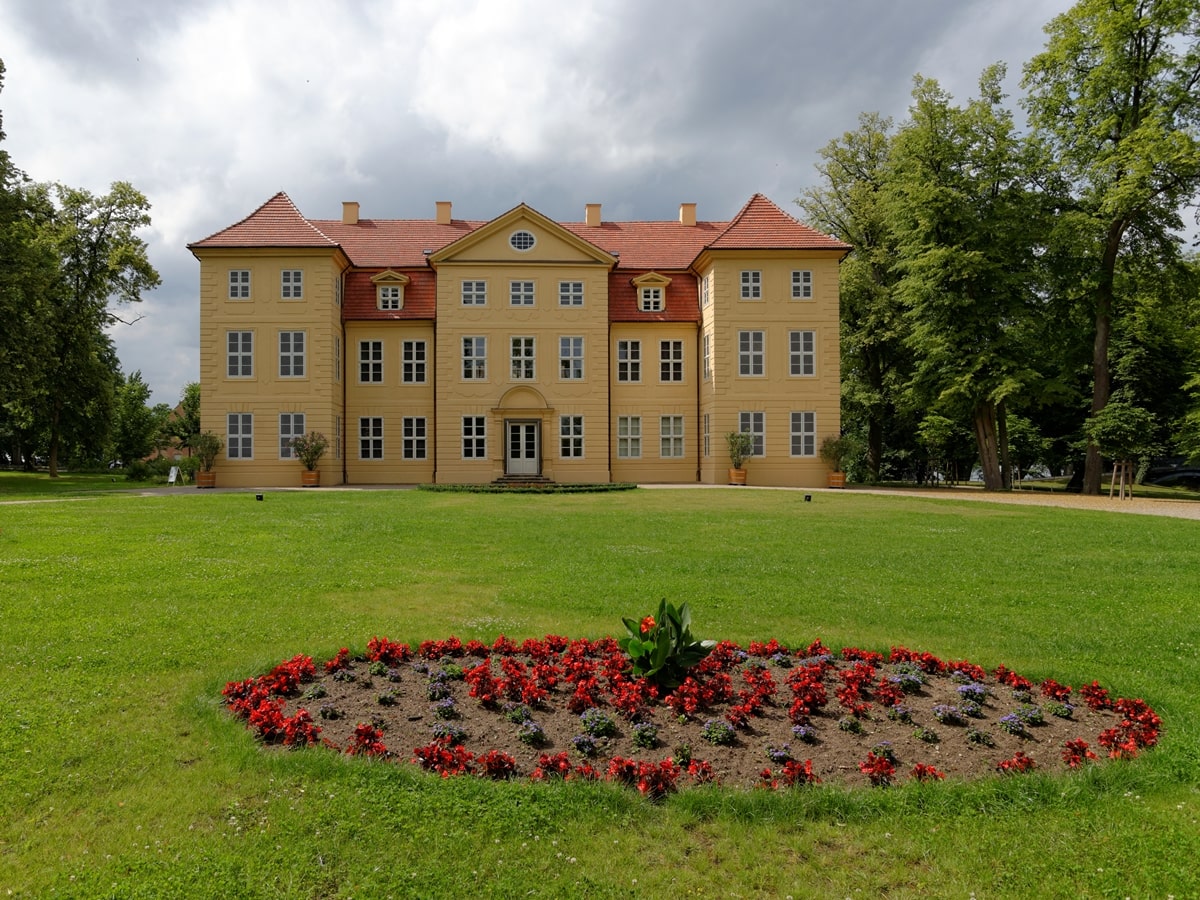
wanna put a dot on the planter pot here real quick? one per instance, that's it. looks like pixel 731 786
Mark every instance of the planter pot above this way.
pixel 310 478
pixel 206 479
pixel 837 479
pixel 737 476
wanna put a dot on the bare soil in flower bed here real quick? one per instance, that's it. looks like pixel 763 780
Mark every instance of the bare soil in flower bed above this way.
pixel 908 707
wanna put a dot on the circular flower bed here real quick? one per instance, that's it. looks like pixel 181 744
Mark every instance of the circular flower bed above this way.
pixel 764 716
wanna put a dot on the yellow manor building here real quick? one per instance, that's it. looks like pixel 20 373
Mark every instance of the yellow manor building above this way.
pixel 452 351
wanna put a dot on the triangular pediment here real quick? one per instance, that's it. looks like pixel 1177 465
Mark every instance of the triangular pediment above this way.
pixel 522 235
pixel 650 279
pixel 390 276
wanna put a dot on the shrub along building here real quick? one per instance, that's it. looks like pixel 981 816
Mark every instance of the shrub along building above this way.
pixel 455 351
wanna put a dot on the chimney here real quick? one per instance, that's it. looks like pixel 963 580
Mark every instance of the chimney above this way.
pixel 443 212
pixel 591 215
pixel 349 213
pixel 687 213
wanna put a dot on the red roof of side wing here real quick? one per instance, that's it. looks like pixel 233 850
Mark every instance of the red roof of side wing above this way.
pixel 761 225
pixel 277 223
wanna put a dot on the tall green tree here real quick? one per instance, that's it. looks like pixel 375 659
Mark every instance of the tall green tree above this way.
pixel 137 427
pixel 967 230
pixel 102 261
pixel 185 423
pixel 1116 96
pixel 848 203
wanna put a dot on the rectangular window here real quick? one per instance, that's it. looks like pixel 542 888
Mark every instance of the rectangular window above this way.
pixel 670 356
pixel 291 425
pixel 752 285
pixel 414 446
pixel 291 284
pixel 803 355
pixel 707 435
pixel 389 296
pixel 570 293
pixel 520 293
pixel 750 353
pixel 707 356
pixel 651 299
pixel 570 433
pixel 629 360
pixel 802 285
pixel 291 354
pixel 370 362
pixel 474 437
pixel 804 434
pixel 474 293
pixel 474 358
pixel 240 354
pixel 337 358
pixel 705 297
pixel 570 358
pixel 412 362
pixel 370 437
pixel 629 437
pixel 670 436
pixel 239 436
pixel 239 284
pixel 754 424
pixel 337 437
pixel 522 356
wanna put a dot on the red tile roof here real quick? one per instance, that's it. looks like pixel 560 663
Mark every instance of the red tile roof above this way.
pixel 761 225
pixel 680 300
pixel 639 246
pixel 420 296
pixel 277 223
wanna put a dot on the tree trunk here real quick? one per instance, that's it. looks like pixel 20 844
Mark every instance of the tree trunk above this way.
pixel 1101 378
pixel 1006 473
pixel 984 420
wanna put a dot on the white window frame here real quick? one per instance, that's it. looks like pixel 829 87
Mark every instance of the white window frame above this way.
pixel 292 350
pixel 521 293
pixel 474 437
pixel 370 362
pixel 239 284
pixel 671 437
pixel 474 358
pixel 707 341
pixel 650 299
pixel 629 437
pixel 414 438
pixel 389 296
pixel 802 284
pixel 802 353
pixel 570 358
pixel 804 433
pixel 629 361
pixel 570 435
pixel 570 293
pixel 707 435
pixel 291 284
pixel 474 293
pixel 522 353
pixel 337 358
pixel 522 240
pixel 705 291
pixel 752 359
pixel 754 423
pixel 670 361
pixel 751 283
pixel 413 362
pixel 337 437
pixel 239 354
pixel 291 426
pixel 370 437
pixel 239 436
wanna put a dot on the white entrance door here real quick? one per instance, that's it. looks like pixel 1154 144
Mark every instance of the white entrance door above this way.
pixel 522 455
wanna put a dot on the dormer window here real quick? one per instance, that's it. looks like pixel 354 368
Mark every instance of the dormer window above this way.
pixel 389 290
pixel 651 291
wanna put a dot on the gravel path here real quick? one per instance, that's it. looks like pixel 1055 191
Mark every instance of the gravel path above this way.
pixel 1179 509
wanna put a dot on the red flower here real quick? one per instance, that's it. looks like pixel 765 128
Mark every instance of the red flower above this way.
pixel 647 624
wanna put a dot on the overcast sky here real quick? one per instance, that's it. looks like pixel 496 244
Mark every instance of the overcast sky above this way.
pixel 211 106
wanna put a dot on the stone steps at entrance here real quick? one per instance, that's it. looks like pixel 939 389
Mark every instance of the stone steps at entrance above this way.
pixel 523 479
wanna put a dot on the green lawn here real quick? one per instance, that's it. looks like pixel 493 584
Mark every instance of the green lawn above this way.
pixel 124 615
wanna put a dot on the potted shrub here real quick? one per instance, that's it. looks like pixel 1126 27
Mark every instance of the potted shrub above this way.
pixel 741 448
pixel 834 451
pixel 309 448
pixel 207 447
